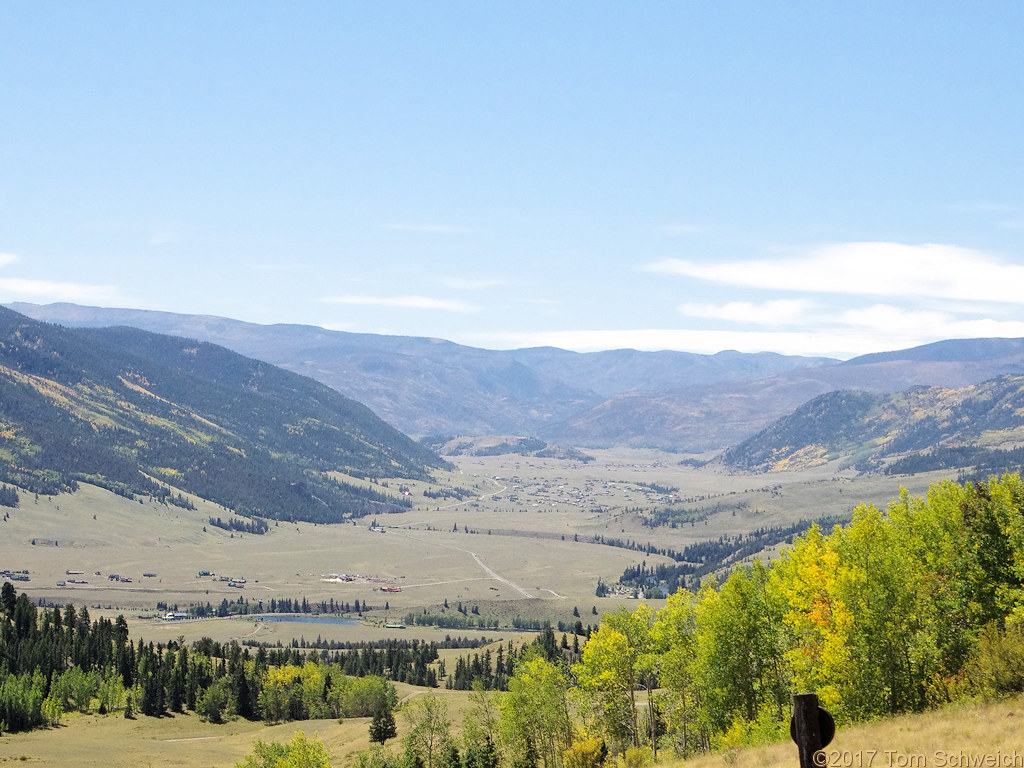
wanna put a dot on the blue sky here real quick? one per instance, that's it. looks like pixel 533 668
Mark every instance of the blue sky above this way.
pixel 806 178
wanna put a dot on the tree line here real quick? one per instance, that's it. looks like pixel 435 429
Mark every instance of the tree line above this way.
pixel 255 525
pixel 54 660
pixel 898 611
pixel 701 558
pixel 244 607
pixel 9 496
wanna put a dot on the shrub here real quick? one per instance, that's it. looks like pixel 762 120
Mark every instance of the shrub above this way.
pixel 213 705
pixel 996 665
pixel 585 754
pixel 637 757
pixel 300 752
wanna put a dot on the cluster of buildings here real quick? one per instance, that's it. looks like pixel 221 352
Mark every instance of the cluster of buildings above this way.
pixel 237 582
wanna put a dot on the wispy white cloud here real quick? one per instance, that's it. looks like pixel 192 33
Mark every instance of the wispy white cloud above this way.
pixel 843 334
pixel 405 302
pixel 699 341
pixel 985 327
pixel 471 283
pixel 20 288
pixel 777 312
pixel 543 307
pixel 879 320
pixel 870 268
pixel 867 328
pixel 427 229
pixel 15 288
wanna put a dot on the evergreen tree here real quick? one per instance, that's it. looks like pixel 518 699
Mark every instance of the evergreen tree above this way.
pixel 8 599
pixel 382 727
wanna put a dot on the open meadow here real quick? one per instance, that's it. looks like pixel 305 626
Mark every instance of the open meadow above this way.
pixel 182 741
pixel 976 734
pixel 518 543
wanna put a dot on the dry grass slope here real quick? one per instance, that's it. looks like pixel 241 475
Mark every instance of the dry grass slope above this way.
pixel 981 735
pixel 986 735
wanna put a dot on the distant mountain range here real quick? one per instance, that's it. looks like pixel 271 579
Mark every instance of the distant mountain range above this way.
pixel 673 400
pixel 141 413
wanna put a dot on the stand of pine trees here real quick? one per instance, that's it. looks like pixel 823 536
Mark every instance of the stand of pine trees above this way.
pixel 55 660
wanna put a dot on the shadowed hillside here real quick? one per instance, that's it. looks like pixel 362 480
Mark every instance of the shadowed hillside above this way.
pixel 132 411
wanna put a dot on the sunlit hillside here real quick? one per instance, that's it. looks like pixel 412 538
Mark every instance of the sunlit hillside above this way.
pixel 971 734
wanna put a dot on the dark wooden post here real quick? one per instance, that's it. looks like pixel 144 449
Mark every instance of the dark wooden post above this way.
pixel 806 729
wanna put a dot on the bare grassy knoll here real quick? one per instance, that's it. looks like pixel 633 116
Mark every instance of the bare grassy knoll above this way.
pixel 989 735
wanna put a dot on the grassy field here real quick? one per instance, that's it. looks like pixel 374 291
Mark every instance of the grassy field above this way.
pixel 984 734
pixel 514 547
pixel 183 741
pixel 956 737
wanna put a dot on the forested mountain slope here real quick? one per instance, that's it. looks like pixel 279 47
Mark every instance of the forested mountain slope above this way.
pixel 922 428
pixel 132 410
